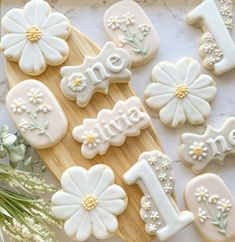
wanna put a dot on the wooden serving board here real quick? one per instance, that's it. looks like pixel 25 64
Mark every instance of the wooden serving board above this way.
pixel 67 153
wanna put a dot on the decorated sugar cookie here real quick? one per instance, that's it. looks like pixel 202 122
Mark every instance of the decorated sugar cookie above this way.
pixel 79 83
pixel 208 197
pixel 217 47
pixel 153 173
pixel 111 127
pixel 35 37
pixel 180 93
pixel 89 202
pixel 37 114
pixel 198 150
pixel 129 27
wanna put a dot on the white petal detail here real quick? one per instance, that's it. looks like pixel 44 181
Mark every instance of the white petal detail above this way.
pixel 167 113
pixel 162 77
pixel 64 212
pixel 201 82
pixel 115 206
pixel 35 12
pixel 113 192
pixel 179 117
pixel 64 198
pixel 193 72
pixel 158 89
pixel 207 93
pixel 158 102
pixel 84 230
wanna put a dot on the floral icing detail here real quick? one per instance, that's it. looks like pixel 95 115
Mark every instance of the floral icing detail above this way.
pixel 89 202
pixel 198 151
pixel 180 93
pixel 32 109
pixel 132 36
pixel 91 139
pixel 35 37
pixel 209 48
pixel 215 210
pixel 77 82
pixel 162 167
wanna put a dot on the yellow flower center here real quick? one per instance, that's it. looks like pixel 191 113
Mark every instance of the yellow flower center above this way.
pixel 33 33
pixel 18 105
pixel 89 202
pixel 198 151
pixel 77 82
pixel 90 139
pixel 181 91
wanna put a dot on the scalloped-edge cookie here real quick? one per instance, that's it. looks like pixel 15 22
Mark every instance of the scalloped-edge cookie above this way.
pixel 208 197
pixel 35 37
pixel 89 202
pixel 37 114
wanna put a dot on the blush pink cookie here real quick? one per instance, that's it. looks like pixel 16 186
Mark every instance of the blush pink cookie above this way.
pixel 208 197
pixel 37 114
pixel 128 26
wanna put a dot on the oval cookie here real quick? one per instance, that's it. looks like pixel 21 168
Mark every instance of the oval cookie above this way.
pixel 89 202
pixel 128 26
pixel 180 92
pixel 37 114
pixel 214 206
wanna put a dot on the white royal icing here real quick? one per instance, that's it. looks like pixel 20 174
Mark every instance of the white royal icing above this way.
pixel 217 48
pixel 214 145
pixel 111 127
pixel 89 202
pixel 36 112
pixel 96 74
pixel 180 93
pixel 35 37
pixel 153 173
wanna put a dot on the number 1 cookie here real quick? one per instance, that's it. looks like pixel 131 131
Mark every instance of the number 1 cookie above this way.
pixel 128 26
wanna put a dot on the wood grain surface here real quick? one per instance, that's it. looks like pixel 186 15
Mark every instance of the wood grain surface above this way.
pixel 67 153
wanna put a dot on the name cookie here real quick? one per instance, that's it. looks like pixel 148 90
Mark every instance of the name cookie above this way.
pixel 96 74
pixel 111 127
pixel 208 197
pixel 180 93
pixel 153 173
pixel 198 151
pixel 89 202
pixel 35 37
pixel 217 47
pixel 128 26
pixel 36 112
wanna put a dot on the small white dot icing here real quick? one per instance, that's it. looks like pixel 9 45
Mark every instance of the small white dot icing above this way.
pixel 35 37
pixel 89 202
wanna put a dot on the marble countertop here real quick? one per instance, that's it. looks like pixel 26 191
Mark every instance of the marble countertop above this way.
pixel 177 40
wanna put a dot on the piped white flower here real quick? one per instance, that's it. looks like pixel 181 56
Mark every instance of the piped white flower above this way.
pixel 145 28
pixel 18 106
pixel 213 199
pixel 24 125
pixel 201 194
pixel 198 151
pixel 114 22
pixel 35 96
pixel 180 93
pixel 152 228
pixel 77 82
pixel 202 215
pixel 146 205
pixel 89 202
pixel 91 139
pixel 128 19
pixel 35 37
pixel 45 108
pixel 154 215
pixel 224 205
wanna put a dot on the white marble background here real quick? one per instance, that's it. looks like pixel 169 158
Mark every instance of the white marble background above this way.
pixel 177 40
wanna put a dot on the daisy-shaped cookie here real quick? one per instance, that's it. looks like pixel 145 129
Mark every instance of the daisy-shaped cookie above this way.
pixel 35 37
pixel 89 202
pixel 180 93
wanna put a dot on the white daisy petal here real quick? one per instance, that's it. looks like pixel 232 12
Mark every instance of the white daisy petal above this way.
pixel 192 113
pixel 182 67
pixel 11 24
pixel 56 24
pixel 64 212
pixel 179 117
pixel 94 175
pixel 72 224
pixel 202 106
pixel 158 89
pixel 98 226
pixel 10 40
pixel 193 72
pixel 112 192
pixel 35 12
pixel 159 102
pixel 84 230
pixel 64 198
pixel 114 206
pixel 28 63
pixel 207 93
pixel 167 113
pixel 51 55
pixel 162 77
pixel 172 72
pixel 201 82
pixel 110 221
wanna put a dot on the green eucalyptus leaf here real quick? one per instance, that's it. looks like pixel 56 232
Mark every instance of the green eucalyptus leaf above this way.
pixel 4 130
pixel 8 139
pixel 28 161
pixel 17 153
pixel 3 152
